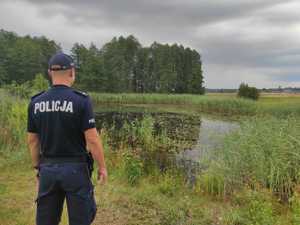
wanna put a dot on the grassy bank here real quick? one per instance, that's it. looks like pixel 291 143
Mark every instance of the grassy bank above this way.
pixel 215 104
pixel 277 105
pixel 253 178
pixel 161 200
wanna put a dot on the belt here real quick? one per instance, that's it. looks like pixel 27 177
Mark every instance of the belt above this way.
pixel 80 159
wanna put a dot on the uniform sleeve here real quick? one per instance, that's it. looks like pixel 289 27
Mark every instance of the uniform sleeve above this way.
pixel 88 119
pixel 31 127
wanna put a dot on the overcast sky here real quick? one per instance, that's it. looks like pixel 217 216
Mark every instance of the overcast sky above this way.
pixel 253 41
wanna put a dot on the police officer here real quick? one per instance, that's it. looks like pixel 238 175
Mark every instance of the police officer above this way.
pixel 61 127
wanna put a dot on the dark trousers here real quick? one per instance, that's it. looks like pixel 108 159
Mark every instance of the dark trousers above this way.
pixel 62 181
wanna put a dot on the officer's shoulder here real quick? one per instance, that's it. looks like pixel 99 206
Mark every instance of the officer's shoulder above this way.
pixel 81 93
pixel 36 95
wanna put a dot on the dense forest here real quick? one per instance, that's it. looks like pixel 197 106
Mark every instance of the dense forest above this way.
pixel 121 65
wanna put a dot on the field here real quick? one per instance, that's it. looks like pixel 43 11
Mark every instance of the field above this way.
pixel 279 105
pixel 254 178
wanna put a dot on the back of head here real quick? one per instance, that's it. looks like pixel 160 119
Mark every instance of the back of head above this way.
pixel 61 69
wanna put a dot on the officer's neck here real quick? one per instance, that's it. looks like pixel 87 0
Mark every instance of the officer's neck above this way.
pixel 65 83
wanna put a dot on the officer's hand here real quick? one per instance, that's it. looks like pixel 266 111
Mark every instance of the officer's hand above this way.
pixel 102 175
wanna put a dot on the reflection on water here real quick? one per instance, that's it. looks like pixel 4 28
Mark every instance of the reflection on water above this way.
pixel 210 136
pixel 200 133
pixel 178 127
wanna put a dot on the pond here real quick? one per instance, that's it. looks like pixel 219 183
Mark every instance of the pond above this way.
pixel 191 136
pixel 198 133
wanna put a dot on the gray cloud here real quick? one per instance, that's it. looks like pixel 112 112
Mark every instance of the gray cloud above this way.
pixel 247 40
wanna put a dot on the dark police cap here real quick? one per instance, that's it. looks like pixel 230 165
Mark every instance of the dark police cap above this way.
pixel 61 61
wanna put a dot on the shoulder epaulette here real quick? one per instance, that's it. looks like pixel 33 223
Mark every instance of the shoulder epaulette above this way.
pixel 84 94
pixel 38 94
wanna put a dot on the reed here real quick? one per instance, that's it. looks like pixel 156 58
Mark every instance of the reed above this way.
pixel 264 153
pixel 229 105
pixel 214 104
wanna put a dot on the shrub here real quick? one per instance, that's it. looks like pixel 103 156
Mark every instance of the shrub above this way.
pixel 40 83
pixel 28 88
pixel 19 90
pixel 248 92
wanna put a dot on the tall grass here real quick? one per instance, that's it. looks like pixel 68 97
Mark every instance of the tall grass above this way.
pixel 280 106
pixel 13 121
pixel 264 153
pixel 228 106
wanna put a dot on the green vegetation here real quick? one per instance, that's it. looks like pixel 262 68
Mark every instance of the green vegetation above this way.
pixel 23 57
pixel 254 208
pixel 214 104
pixel 13 120
pixel 280 105
pixel 264 153
pixel 248 92
pixel 252 179
pixel 29 88
pixel 121 65
pixel 229 105
pixel 13 117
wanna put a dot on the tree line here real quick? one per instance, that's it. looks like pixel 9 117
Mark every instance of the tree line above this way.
pixel 121 65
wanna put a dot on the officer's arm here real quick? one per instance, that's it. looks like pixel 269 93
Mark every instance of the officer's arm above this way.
pixel 34 146
pixel 95 145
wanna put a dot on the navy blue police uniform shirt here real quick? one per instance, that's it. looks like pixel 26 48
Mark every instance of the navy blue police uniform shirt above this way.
pixel 60 116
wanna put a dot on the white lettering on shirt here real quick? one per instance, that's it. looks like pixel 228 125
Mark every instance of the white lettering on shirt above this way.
pixel 69 107
pixel 53 106
pixel 47 107
pixel 36 107
pixel 56 107
pixel 63 107
pixel 42 106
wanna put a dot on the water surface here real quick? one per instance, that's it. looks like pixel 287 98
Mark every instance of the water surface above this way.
pixel 200 132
